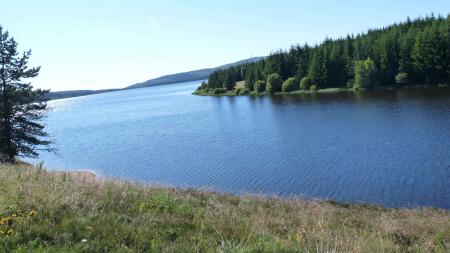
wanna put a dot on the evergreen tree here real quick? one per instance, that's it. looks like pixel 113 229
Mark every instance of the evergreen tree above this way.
pixel 249 80
pixel 430 54
pixel 228 82
pixel 21 106
pixel 317 69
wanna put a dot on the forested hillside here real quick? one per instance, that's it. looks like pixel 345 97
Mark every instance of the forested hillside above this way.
pixel 413 52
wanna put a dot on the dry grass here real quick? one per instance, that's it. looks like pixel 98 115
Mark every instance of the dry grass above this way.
pixel 77 214
pixel 240 84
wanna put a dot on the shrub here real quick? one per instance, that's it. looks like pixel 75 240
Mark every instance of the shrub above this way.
pixel 259 86
pixel 218 91
pixel 401 78
pixel 237 90
pixel 274 82
pixel 244 91
pixel 291 84
pixel 305 83
pixel 313 87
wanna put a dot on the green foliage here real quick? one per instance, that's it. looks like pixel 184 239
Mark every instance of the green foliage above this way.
pixel 250 80
pixel 313 87
pixel 291 84
pixel 21 106
pixel 364 74
pixel 401 78
pixel 240 91
pixel 218 91
pixel 274 82
pixel 260 86
pixel 228 82
pixel 431 53
pixel 419 48
pixel 318 68
pixel 305 83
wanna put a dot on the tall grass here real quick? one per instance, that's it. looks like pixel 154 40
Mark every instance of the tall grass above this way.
pixel 61 212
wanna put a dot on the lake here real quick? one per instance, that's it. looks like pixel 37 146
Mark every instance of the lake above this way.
pixel 387 147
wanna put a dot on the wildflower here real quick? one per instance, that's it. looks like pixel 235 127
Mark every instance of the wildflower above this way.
pixel 84 241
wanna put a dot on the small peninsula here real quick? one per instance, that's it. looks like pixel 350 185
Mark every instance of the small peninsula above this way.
pixel 415 52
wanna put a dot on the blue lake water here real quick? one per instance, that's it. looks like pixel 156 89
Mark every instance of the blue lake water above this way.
pixel 386 147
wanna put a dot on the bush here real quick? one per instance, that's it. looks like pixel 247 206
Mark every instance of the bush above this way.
pixel 218 91
pixel 402 78
pixel 244 91
pixel 274 82
pixel 305 83
pixel 313 87
pixel 259 86
pixel 291 84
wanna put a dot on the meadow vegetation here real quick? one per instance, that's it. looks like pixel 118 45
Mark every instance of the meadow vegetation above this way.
pixel 42 211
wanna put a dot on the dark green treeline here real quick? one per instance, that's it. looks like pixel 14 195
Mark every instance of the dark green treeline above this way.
pixel 413 52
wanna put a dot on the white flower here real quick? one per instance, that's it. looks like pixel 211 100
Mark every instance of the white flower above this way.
pixel 84 241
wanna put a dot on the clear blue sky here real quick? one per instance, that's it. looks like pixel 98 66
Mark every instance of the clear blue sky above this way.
pixel 87 44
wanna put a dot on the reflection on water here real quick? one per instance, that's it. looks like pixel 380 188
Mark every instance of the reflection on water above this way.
pixel 390 147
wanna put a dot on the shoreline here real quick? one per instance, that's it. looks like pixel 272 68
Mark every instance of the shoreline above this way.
pixel 63 212
pixel 231 93
pixel 90 176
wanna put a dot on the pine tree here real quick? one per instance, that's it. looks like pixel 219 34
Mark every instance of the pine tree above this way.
pixel 317 69
pixel 430 54
pixel 21 106
pixel 249 79
pixel 228 81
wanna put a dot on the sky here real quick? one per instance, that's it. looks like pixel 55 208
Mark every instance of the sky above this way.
pixel 98 44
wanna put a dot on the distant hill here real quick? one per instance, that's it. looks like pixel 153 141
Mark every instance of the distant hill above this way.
pixel 76 93
pixel 163 80
pixel 188 76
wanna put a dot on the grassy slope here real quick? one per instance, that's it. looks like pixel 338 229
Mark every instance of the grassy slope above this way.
pixel 77 215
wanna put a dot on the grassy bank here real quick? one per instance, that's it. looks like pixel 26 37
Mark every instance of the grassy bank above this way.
pixel 60 212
